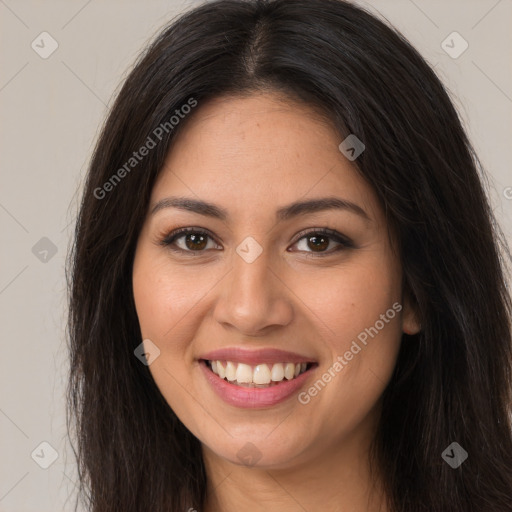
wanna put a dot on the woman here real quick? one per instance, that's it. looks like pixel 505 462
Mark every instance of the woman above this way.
pixel 286 287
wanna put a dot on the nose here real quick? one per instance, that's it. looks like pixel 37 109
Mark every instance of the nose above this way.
pixel 254 298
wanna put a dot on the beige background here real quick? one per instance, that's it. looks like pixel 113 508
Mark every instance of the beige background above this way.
pixel 51 110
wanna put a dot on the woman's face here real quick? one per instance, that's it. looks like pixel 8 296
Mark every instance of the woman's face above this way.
pixel 256 276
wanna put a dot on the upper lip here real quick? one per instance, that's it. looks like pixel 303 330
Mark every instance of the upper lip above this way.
pixel 253 357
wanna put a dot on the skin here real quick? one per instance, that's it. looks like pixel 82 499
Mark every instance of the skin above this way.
pixel 251 156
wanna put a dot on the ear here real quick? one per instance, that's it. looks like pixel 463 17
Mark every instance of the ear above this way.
pixel 411 323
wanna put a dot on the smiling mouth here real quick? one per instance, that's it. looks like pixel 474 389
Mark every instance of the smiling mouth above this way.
pixel 263 375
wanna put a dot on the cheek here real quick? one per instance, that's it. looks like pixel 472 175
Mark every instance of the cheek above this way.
pixel 164 296
pixel 357 312
pixel 358 316
pixel 346 301
pixel 164 302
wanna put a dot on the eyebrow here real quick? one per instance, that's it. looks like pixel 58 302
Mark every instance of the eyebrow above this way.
pixel 285 213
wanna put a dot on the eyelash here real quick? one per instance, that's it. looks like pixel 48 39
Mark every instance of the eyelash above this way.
pixel 345 243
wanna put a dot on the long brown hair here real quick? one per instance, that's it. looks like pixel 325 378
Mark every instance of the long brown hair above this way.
pixel 452 381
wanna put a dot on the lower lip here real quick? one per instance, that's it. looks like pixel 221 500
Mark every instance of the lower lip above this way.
pixel 251 398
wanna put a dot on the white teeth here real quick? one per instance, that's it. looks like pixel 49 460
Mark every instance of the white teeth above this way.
pixel 289 371
pixel 243 373
pixel 260 375
pixel 277 372
pixel 230 371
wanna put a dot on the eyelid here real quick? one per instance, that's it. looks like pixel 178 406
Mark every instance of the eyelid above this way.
pixel 332 233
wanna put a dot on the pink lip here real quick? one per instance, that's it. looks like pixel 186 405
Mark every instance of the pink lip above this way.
pixel 251 398
pixel 253 357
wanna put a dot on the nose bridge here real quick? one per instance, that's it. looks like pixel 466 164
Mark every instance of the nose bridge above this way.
pixel 251 273
pixel 253 297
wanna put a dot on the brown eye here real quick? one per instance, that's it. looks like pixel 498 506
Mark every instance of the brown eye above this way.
pixel 190 240
pixel 317 242
pixel 195 242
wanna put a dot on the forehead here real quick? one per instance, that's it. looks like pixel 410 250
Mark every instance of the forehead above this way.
pixel 259 151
